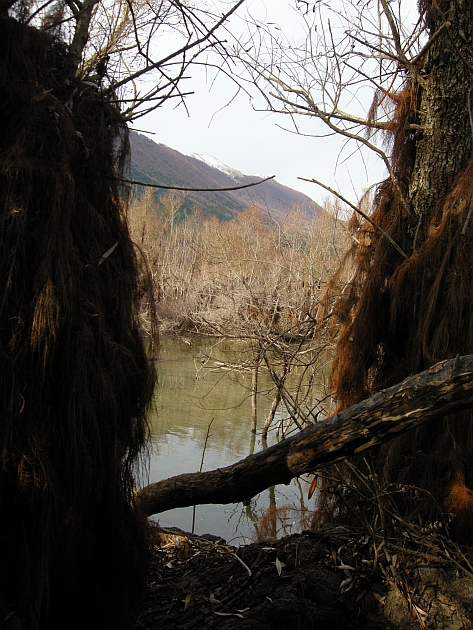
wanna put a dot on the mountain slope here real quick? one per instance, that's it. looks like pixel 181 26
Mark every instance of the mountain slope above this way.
pixel 158 164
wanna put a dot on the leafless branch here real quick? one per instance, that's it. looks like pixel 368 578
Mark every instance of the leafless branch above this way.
pixel 183 188
pixel 358 211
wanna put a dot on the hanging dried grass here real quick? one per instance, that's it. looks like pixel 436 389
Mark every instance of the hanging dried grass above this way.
pixel 76 381
pixel 400 317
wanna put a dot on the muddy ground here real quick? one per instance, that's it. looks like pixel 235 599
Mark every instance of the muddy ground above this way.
pixel 335 577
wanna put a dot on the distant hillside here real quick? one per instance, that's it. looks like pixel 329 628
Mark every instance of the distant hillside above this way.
pixel 158 164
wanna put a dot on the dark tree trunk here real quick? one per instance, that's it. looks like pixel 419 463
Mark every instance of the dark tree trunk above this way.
pixel 75 377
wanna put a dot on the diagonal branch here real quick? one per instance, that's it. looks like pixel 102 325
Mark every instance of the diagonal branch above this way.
pixel 188 46
pixel 326 118
pixel 356 209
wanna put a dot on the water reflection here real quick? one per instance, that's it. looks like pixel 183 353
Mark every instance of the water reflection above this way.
pixel 192 393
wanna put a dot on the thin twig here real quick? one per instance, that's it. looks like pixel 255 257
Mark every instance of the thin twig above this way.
pixel 425 49
pixel 243 563
pixel 356 209
pixel 445 559
pixel 201 466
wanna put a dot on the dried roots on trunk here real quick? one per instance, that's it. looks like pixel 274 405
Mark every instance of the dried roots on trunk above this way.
pixel 76 381
pixel 402 316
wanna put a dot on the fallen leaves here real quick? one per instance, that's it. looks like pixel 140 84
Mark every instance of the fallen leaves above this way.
pixel 187 601
pixel 279 565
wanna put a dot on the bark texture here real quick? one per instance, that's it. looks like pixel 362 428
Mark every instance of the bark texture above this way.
pixel 444 146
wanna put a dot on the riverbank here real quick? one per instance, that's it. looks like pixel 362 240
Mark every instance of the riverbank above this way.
pixel 334 577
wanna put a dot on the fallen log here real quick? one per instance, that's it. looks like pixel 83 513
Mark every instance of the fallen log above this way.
pixel 445 388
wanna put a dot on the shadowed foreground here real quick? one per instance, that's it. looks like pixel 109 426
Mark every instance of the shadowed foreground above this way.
pixel 330 578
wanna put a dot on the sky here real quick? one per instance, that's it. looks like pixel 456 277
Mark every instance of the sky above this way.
pixel 228 126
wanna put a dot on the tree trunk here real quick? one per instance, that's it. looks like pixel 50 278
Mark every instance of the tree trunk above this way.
pixel 254 395
pixel 400 316
pixel 445 145
pixel 272 413
pixel 443 389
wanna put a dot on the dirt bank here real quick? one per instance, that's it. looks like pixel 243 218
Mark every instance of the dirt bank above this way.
pixel 335 577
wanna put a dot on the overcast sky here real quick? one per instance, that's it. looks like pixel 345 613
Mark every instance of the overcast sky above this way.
pixel 253 141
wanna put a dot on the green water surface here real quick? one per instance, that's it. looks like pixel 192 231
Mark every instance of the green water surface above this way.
pixel 193 391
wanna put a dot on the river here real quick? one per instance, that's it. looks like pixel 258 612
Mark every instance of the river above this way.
pixel 193 392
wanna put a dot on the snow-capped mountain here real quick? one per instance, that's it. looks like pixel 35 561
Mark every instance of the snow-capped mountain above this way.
pixel 210 160
pixel 158 164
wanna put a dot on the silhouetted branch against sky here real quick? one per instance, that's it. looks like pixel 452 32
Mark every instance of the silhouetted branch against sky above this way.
pixel 296 101
pixel 335 78
pixel 278 87
pixel 139 50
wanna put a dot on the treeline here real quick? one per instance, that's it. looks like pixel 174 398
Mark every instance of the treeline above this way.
pixel 253 275
pixel 257 280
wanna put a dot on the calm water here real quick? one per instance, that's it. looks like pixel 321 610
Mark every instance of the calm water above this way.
pixel 192 391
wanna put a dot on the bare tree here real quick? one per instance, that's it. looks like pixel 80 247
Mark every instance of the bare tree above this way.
pixel 394 80
pixel 137 51
pixel 345 72
pixel 257 281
